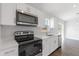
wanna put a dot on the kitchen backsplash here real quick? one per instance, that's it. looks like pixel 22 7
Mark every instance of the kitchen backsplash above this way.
pixel 7 31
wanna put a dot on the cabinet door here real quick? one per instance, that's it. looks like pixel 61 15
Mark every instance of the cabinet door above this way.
pixel 21 7
pixel 50 45
pixel 8 14
pixel 45 47
pixel 13 51
pixel 54 43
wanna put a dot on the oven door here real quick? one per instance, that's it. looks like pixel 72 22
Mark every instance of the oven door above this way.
pixel 31 49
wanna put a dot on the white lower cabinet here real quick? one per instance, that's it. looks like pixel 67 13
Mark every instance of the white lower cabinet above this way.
pixel 54 43
pixel 46 47
pixel 49 45
pixel 11 51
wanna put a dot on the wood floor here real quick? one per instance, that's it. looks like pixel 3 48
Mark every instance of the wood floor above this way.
pixel 56 53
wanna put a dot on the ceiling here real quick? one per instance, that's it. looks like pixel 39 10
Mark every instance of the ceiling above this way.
pixel 64 11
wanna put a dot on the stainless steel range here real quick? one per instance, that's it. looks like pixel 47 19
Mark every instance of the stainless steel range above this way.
pixel 27 45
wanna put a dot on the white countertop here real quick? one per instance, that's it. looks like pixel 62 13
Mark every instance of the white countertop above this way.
pixel 45 36
pixel 42 36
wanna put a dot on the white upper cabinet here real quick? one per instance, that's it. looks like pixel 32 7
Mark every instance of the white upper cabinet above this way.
pixel 23 7
pixel 8 13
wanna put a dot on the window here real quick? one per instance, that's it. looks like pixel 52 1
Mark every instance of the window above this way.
pixel 46 22
pixel 49 22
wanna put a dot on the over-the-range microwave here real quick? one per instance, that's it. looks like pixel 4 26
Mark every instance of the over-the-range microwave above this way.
pixel 26 19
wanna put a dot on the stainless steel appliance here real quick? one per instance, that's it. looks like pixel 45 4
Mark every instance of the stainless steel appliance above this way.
pixel 26 19
pixel 27 45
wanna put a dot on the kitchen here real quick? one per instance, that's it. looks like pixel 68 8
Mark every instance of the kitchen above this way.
pixel 45 30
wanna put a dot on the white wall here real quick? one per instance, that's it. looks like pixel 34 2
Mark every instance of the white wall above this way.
pixel 8 13
pixel 71 42
pixel 72 29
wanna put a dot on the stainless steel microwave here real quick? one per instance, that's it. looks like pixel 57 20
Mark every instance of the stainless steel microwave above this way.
pixel 26 19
